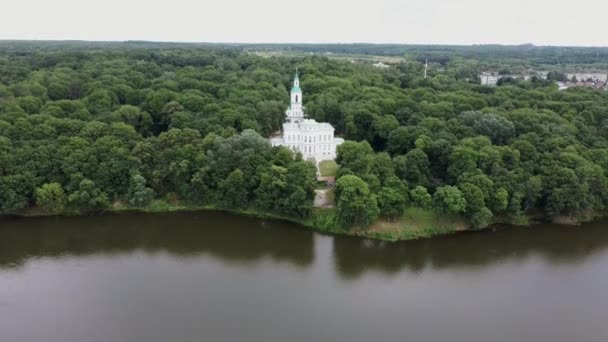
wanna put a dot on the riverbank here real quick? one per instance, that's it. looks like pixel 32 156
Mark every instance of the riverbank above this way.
pixel 415 224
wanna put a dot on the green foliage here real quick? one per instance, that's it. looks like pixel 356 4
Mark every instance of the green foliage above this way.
pixel 139 195
pixel 357 157
pixel 357 206
pixel 501 200
pixel 15 192
pixel 89 198
pixel 234 191
pixel 51 198
pixel 391 203
pixel 413 167
pixel 420 197
pixel 449 199
pixel 187 119
pixel 473 196
pixel 325 220
pixel 288 190
pixel 481 218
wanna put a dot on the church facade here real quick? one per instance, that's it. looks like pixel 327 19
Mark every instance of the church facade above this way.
pixel 315 140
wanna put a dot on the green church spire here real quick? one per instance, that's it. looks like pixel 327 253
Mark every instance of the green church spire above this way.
pixel 296 83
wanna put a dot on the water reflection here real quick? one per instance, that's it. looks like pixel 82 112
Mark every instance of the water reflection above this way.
pixel 217 277
pixel 241 240
pixel 474 250
pixel 226 237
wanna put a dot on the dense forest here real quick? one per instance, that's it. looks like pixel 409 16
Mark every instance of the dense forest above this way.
pixel 85 127
pixel 506 56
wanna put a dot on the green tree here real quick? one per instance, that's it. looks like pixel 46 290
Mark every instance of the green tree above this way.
pixel 421 197
pixel 391 203
pixel 500 200
pixel 15 192
pixel 233 191
pixel 482 218
pixel 449 199
pixel 51 198
pixel 413 168
pixel 139 194
pixel 273 185
pixel 89 198
pixel 141 121
pixel 473 196
pixel 356 157
pixel 356 204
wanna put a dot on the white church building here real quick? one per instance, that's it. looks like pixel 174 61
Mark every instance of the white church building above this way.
pixel 315 140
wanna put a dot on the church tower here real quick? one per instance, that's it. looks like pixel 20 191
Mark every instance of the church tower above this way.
pixel 295 112
pixel 314 140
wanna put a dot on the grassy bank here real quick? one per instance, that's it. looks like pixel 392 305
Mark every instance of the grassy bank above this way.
pixel 417 223
pixel 414 224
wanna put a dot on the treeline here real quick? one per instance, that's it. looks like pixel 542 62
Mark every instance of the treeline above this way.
pixel 102 165
pixel 85 129
pixel 527 53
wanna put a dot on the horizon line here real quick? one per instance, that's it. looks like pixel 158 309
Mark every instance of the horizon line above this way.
pixel 294 43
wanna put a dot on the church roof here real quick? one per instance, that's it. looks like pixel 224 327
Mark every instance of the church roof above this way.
pixel 307 125
pixel 296 89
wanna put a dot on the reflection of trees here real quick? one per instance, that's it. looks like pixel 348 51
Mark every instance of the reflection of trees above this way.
pixel 556 244
pixel 240 240
pixel 227 237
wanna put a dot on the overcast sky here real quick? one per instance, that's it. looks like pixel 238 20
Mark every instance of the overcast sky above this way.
pixel 541 22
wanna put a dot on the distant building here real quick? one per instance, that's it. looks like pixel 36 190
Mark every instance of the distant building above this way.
pixel 595 85
pixel 562 86
pixel 315 140
pixel 381 65
pixel 588 77
pixel 489 78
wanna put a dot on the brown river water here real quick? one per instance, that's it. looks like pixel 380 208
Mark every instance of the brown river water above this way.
pixel 217 277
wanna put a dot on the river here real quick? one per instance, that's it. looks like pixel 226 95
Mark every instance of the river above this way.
pixel 217 277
